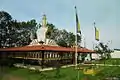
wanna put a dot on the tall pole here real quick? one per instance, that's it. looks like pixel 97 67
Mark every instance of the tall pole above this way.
pixel 76 44
pixel 95 29
pixel 76 40
pixel 94 23
pixel 94 33
pixel 76 49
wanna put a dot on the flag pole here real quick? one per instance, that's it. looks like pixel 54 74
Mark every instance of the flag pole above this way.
pixel 75 41
pixel 94 26
pixel 76 49
pixel 76 46
pixel 94 29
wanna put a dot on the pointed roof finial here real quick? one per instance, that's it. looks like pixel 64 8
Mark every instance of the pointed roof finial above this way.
pixel 44 21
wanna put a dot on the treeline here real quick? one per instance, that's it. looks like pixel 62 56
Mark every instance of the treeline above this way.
pixel 14 33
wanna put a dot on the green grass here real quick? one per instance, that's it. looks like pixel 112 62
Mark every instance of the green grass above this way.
pixel 109 61
pixel 63 74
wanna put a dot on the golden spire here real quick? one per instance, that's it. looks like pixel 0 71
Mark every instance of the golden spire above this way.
pixel 44 21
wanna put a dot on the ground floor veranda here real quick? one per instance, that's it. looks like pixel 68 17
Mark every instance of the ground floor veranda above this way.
pixel 45 56
pixel 42 58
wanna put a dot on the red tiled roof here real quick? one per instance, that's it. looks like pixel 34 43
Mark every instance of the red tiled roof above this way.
pixel 47 48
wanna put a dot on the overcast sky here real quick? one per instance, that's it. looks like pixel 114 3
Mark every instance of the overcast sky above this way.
pixel 61 13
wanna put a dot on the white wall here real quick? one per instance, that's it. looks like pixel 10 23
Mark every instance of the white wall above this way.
pixel 115 54
pixel 95 56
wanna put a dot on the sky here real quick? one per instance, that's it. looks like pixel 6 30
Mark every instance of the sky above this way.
pixel 62 14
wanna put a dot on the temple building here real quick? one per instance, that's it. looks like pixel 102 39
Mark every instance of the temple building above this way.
pixel 42 51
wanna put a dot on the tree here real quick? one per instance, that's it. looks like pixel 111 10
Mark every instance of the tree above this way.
pixel 5 39
pixel 5 17
pixel 71 39
pixel 24 32
pixel 13 33
pixel 62 43
pixel 103 50
pixel 61 37
pixel 5 29
pixel 50 30
pixel 56 35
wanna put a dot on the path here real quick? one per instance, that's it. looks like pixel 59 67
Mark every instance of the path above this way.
pixel 39 67
pixel 52 68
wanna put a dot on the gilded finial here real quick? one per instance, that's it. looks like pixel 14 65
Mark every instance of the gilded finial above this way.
pixel 44 21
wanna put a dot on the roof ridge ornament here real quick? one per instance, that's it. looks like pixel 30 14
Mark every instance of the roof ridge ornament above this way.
pixel 44 21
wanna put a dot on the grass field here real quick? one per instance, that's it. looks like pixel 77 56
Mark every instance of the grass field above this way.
pixel 65 74
pixel 61 74
pixel 109 61
pixel 24 74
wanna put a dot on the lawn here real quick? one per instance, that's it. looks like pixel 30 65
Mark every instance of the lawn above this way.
pixel 24 74
pixel 61 74
pixel 108 61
